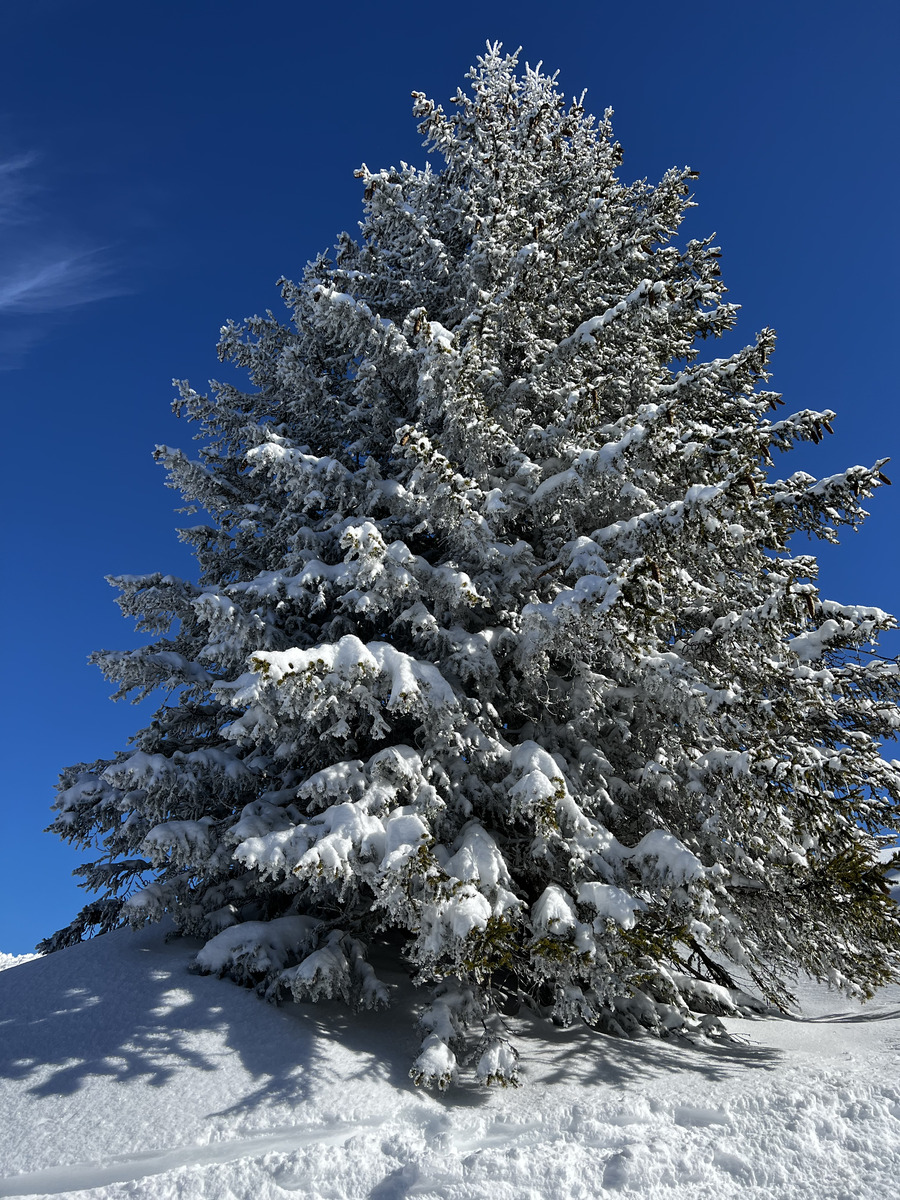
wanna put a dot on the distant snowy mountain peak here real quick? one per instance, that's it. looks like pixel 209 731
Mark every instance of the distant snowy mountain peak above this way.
pixel 14 960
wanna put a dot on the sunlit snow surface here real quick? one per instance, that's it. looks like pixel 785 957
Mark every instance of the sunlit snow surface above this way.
pixel 122 1075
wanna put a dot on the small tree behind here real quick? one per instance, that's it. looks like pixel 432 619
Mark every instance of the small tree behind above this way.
pixel 499 654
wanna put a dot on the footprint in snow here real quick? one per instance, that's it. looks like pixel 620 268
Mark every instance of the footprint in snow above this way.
pixel 687 1115
pixel 617 1170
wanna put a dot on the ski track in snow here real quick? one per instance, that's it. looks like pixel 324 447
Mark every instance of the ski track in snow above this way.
pixel 84 1176
pixel 123 1076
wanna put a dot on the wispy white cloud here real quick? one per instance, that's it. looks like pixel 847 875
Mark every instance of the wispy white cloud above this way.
pixel 14 187
pixel 43 270
pixel 52 280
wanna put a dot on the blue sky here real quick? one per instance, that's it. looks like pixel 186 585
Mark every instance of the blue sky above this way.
pixel 162 165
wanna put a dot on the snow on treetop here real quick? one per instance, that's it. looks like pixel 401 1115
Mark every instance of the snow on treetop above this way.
pixel 500 661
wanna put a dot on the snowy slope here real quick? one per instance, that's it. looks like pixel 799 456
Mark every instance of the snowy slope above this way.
pixel 121 1074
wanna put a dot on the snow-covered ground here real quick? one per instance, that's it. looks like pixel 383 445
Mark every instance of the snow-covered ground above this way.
pixel 122 1075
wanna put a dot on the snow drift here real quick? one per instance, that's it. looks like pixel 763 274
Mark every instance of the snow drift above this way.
pixel 123 1074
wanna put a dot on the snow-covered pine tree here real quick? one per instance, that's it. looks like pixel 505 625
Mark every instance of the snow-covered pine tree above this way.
pixel 499 655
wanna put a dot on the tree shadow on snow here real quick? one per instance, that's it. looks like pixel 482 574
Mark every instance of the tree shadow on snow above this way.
pixel 125 1007
pixel 846 1018
pixel 349 1047
pixel 583 1055
pixel 382 1045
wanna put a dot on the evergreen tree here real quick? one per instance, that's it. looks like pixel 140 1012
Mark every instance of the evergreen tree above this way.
pixel 500 657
